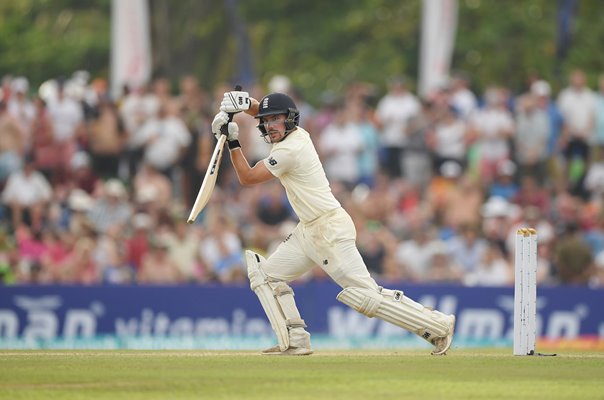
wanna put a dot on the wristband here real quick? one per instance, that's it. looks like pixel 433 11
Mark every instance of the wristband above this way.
pixel 234 144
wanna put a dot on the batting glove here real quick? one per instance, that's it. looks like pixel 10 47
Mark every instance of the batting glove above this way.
pixel 235 101
pixel 222 119
pixel 233 132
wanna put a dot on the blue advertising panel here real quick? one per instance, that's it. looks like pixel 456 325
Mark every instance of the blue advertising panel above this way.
pixel 218 316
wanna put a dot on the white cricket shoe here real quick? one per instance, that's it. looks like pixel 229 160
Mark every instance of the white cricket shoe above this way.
pixel 290 351
pixel 442 344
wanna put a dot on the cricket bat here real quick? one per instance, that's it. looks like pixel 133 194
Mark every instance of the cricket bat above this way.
pixel 209 181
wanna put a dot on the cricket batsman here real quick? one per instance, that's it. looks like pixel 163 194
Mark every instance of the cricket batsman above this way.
pixel 325 235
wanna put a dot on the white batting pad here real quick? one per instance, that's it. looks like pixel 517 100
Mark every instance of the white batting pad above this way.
pixel 392 306
pixel 266 295
pixel 277 300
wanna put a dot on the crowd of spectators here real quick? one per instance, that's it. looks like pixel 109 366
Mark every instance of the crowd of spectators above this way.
pixel 97 190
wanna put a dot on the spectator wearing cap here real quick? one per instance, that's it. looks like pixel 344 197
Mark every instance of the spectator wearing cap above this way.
pixel 138 243
pixel 82 175
pixel 504 185
pixel 498 214
pixel 75 216
pixel 542 91
pixel 27 193
pixel 21 108
pixel 111 208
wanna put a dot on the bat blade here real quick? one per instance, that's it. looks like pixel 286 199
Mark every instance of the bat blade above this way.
pixel 209 181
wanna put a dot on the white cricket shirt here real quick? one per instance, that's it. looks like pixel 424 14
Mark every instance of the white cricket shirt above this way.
pixel 296 163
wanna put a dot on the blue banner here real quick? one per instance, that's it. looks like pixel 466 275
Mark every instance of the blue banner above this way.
pixel 218 316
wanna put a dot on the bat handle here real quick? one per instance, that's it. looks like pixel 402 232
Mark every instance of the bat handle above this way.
pixel 224 129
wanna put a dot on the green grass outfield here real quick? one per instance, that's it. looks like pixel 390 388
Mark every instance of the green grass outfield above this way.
pixel 408 374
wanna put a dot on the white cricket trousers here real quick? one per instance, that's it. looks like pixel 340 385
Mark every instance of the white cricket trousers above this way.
pixel 328 241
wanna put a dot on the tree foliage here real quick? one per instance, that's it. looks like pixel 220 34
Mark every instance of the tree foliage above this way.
pixel 48 39
pixel 320 44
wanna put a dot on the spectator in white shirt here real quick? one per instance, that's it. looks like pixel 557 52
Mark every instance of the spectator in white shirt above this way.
pixel 415 255
pixel 393 112
pixel 67 118
pixel 164 138
pixel 137 107
pixel 462 98
pixel 448 139
pixel 493 127
pixel 531 137
pixel 492 269
pixel 21 108
pixel 112 208
pixel 27 193
pixel 577 105
pixel 340 145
